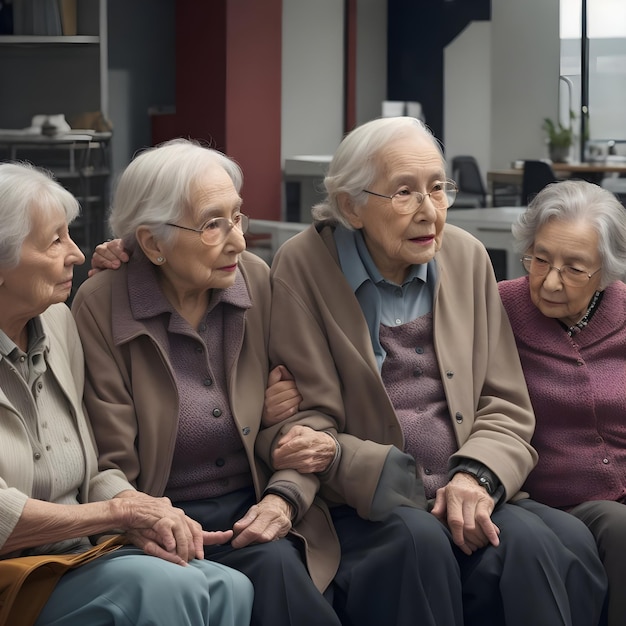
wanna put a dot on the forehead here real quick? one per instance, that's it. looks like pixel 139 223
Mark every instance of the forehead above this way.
pixel 576 239
pixel 413 155
pixel 213 190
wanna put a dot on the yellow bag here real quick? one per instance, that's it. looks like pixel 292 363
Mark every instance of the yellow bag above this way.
pixel 27 582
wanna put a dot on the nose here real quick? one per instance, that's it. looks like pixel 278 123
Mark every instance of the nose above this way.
pixel 552 279
pixel 426 210
pixel 74 254
pixel 236 239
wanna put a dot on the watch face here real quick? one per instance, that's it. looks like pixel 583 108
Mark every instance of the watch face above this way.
pixel 485 483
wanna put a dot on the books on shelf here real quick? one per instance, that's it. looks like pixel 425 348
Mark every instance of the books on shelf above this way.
pixel 44 17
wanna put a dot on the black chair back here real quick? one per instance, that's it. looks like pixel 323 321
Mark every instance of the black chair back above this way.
pixel 537 174
pixel 466 174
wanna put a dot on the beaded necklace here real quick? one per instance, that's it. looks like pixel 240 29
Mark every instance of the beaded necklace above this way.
pixel 576 328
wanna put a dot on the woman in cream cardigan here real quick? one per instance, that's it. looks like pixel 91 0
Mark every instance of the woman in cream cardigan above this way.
pixel 52 496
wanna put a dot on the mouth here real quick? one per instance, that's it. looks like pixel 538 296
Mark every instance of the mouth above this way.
pixel 228 268
pixel 424 240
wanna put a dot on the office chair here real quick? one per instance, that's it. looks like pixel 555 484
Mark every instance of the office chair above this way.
pixel 466 173
pixel 537 174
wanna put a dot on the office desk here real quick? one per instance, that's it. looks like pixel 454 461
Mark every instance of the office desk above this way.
pixel 304 178
pixel 492 227
pixel 593 172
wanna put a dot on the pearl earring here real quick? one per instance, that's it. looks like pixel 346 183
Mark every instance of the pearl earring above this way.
pixel 160 259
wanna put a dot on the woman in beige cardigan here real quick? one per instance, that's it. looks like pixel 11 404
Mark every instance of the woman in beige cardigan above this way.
pixel 53 498
pixel 392 325
pixel 177 364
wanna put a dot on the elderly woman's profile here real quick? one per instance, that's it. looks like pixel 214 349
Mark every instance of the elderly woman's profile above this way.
pixel 55 501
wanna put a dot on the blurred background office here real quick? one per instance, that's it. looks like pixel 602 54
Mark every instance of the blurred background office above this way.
pixel 284 79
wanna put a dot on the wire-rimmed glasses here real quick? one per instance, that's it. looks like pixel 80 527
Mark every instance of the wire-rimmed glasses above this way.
pixel 570 275
pixel 405 201
pixel 216 230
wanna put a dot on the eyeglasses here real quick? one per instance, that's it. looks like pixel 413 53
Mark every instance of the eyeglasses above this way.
pixel 216 230
pixel 405 201
pixel 571 276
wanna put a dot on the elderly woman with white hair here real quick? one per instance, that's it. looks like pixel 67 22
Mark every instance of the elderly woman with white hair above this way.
pixel 569 320
pixel 391 323
pixel 177 366
pixel 52 495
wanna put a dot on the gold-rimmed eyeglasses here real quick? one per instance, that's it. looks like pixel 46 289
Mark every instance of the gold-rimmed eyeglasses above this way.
pixel 405 201
pixel 216 230
pixel 570 275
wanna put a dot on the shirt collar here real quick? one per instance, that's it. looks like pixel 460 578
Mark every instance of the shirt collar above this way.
pixel 37 339
pixel 357 263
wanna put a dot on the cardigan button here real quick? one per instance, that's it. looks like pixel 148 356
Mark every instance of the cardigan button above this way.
pixel 605 461
pixel 459 418
pixel 449 374
pixel 245 430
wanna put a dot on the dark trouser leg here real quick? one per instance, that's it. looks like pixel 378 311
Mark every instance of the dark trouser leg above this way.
pixel 607 522
pixel 546 571
pixel 398 572
pixel 284 594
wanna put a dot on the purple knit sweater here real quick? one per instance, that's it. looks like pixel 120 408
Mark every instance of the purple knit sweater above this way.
pixel 578 389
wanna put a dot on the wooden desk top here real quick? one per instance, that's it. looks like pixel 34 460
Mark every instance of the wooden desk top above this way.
pixel 572 168
pixel 590 168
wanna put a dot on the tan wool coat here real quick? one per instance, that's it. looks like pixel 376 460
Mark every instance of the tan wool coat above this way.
pixel 319 332
pixel 130 392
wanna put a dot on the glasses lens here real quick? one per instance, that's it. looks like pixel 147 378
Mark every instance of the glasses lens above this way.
pixel 407 202
pixel 442 196
pixel 216 230
pixel 243 223
pixel 573 277
pixel 450 191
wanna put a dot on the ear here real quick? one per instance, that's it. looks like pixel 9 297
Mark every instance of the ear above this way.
pixel 349 210
pixel 150 245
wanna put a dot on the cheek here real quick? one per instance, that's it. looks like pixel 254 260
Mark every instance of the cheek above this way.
pixel 534 288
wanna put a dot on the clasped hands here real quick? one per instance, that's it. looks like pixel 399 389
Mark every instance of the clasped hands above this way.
pixel 163 530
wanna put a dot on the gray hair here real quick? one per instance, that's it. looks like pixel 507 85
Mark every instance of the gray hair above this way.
pixel 579 200
pixel 24 190
pixel 354 166
pixel 156 187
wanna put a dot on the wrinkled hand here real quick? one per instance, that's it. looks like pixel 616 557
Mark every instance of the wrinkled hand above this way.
pixel 281 396
pixel 306 450
pixel 162 530
pixel 465 507
pixel 108 256
pixel 266 521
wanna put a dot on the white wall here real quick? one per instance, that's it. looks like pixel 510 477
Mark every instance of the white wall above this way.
pixel 467 95
pixel 312 87
pixel 524 77
pixel 371 71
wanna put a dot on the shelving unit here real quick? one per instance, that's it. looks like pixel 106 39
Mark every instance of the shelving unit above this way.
pixel 68 75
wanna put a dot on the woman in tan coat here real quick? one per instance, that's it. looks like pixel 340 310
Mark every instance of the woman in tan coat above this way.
pixel 392 325
pixel 176 366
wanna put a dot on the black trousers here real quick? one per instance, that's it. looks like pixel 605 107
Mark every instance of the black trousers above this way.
pixel 284 594
pixel 607 521
pixel 406 571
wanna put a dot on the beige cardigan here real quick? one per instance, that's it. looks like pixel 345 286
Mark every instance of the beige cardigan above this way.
pixel 131 396
pixel 319 332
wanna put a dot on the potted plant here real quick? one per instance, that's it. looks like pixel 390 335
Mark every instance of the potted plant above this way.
pixel 560 138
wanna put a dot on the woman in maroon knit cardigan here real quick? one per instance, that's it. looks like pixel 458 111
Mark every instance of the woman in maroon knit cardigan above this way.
pixel 569 320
